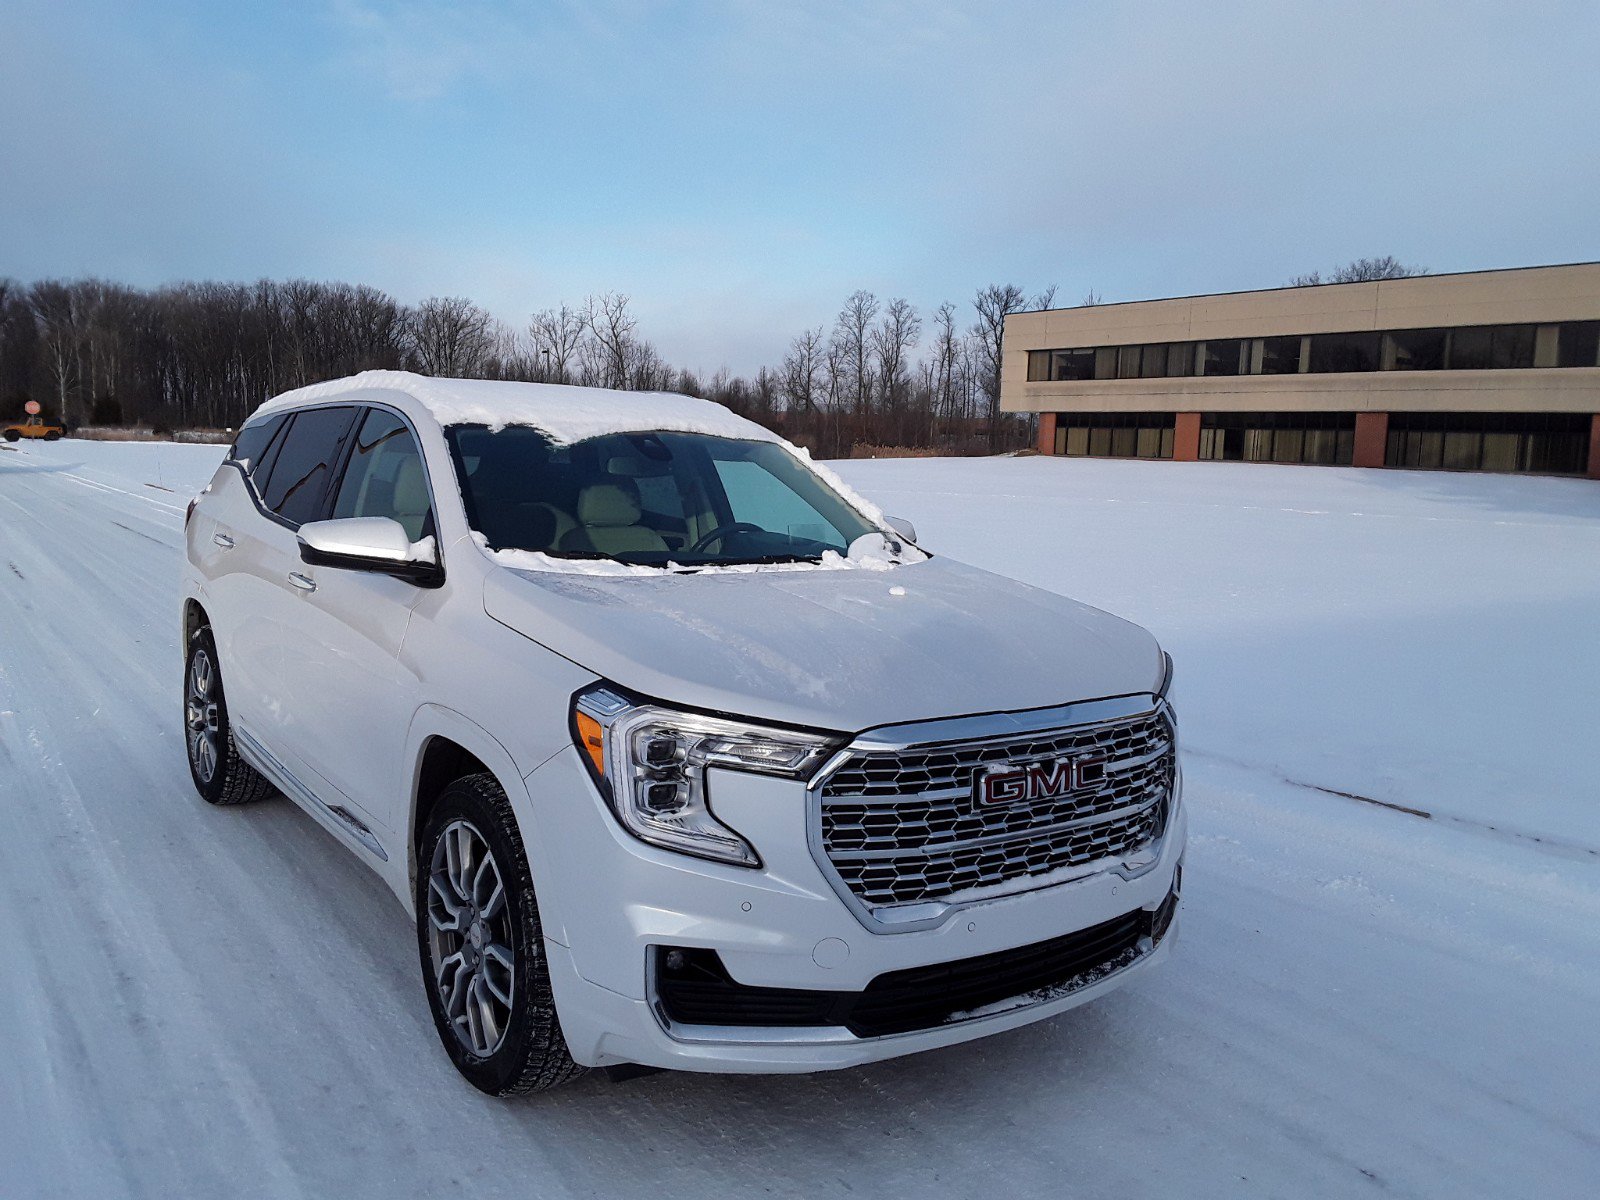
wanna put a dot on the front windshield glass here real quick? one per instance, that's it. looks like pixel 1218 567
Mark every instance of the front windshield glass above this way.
pixel 649 498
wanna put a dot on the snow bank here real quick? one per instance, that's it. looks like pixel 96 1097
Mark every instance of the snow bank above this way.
pixel 1419 638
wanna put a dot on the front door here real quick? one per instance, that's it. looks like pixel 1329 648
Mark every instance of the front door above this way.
pixel 352 695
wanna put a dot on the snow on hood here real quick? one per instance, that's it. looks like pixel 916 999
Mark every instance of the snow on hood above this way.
pixel 565 413
pixel 840 650
pixel 880 558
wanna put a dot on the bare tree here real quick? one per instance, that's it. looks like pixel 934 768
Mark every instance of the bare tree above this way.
pixel 850 336
pixel 994 304
pixel 557 334
pixel 892 340
pixel 647 371
pixel 610 328
pixel 19 347
pixel 450 336
pixel 945 363
pixel 803 369
pixel 1090 299
pixel 1362 270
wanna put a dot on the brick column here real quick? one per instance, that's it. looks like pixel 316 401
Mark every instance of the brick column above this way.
pixel 1186 438
pixel 1372 439
pixel 1047 433
pixel 1594 447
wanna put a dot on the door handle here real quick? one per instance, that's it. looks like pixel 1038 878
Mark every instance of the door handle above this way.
pixel 222 540
pixel 302 582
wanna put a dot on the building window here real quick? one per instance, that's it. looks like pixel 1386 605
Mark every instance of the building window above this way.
pixel 1491 347
pixel 1467 348
pixel 1542 443
pixel 1115 435
pixel 1333 352
pixel 1415 350
pixel 1325 438
pixel 1578 344
pixel 1060 365
pixel 1072 364
pixel 1221 356
pixel 1280 356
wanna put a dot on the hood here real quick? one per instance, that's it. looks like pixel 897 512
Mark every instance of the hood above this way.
pixel 832 649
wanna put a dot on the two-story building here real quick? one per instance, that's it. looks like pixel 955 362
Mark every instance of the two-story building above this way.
pixel 1480 371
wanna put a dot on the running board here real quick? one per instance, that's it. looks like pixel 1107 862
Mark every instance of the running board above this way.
pixel 259 757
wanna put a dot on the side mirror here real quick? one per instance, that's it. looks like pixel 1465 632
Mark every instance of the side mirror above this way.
pixel 903 527
pixel 378 544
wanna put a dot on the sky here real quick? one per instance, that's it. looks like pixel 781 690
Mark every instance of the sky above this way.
pixel 738 167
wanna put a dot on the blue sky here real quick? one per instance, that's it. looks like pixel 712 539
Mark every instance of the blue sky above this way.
pixel 739 167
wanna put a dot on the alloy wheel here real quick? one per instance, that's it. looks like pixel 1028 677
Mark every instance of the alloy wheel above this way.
pixel 202 716
pixel 469 933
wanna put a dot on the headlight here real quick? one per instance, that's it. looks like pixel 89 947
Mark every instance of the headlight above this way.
pixel 1166 675
pixel 650 762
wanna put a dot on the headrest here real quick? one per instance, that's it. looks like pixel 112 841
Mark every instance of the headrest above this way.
pixel 410 487
pixel 609 504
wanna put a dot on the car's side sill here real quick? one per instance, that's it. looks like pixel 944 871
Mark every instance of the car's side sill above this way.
pixel 259 757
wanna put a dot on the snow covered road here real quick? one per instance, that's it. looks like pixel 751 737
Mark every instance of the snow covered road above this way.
pixel 196 1002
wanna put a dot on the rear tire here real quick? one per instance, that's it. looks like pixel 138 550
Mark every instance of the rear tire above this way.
pixel 220 775
pixel 53 436
pixel 482 946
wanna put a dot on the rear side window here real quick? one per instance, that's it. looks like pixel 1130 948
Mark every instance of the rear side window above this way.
pixel 384 477
pixel 302 468
pixel 251 445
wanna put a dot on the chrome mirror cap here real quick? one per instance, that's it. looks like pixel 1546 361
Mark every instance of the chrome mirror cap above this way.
pixel 903 527
pixel 376 539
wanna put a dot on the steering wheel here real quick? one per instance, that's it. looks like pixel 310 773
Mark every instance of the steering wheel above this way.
pixel 722 531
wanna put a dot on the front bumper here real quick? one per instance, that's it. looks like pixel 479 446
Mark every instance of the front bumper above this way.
pixel 610 902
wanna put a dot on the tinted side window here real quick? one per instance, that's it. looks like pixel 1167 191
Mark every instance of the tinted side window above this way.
pixel 384 477
pixel 251 444
pixel 300 474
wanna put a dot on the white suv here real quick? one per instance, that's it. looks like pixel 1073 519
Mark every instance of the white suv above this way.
pixel 682 754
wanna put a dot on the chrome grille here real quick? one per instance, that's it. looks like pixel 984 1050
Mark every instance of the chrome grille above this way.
pixel 904 826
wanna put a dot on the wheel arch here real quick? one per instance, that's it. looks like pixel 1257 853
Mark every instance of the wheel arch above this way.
pixel 195 618
pixel 447 746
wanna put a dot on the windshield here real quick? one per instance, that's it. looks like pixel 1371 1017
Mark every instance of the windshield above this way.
pixel 649 498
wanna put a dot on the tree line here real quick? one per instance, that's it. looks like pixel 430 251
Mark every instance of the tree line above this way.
pixel 205 354
pixel 191 355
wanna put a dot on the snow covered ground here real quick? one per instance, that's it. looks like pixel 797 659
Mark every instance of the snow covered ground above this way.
pixel 203 1002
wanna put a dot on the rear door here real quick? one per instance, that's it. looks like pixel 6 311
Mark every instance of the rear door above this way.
pixel 229 542
pixel 270 583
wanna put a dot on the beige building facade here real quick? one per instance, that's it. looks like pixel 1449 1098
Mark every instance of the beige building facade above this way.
pixel 1486 370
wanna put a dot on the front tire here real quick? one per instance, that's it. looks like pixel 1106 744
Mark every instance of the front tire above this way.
pixel 220 775
pixel 12 435
pixel 482 946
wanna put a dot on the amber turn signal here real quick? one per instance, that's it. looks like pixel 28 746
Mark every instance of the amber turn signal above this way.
pixel 591 740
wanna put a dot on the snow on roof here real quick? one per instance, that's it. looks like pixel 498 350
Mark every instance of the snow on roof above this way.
pixel 565 412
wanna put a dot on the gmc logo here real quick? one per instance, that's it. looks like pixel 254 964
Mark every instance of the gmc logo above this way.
pixel 1018 783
